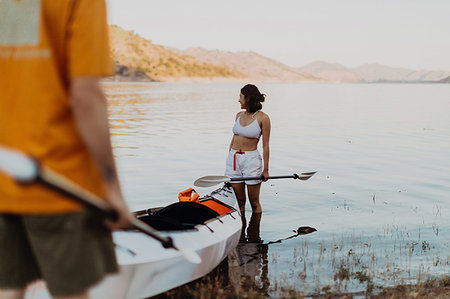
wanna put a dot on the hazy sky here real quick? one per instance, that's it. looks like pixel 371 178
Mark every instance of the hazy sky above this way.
pixel 400 33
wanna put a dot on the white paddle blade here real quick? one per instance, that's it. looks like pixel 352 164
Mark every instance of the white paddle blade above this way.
pixel 191 256
pixel 309 173
pixel 306 175
pixel 211 180
pixel 18 165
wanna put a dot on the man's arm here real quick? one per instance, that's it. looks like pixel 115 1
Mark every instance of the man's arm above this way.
pixel 91 117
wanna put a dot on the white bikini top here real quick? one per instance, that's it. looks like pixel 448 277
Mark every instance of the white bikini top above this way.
pixel 252 130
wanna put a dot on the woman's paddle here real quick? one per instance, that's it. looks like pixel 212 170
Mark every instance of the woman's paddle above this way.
pixel 212 180
pixel 26 170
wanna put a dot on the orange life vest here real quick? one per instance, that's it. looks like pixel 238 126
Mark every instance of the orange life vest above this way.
pixel 191 195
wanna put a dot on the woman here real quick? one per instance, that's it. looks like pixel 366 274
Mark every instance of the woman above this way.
pixel 244 160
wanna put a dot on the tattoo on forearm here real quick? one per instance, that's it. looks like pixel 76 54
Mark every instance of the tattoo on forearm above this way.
pixel 109 173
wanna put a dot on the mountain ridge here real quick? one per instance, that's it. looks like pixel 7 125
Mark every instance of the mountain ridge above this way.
pixel 137 59
pixel 371 72
pixel 252 64
pixel 136 56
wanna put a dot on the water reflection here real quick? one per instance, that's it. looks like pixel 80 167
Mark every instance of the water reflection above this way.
pixel 248 264
pixel 127 106
pixel 302 230
pixel 244 273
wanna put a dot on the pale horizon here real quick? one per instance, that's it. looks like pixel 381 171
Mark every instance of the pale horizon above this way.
pixel 402 34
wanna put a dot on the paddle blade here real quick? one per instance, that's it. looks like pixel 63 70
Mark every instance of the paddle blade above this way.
pixel 309 173
pixel 18 165
pixel 305 175
pixel 211 180
pixel 191 256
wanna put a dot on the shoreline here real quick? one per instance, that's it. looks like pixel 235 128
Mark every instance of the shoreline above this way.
pixel 217 285
pixel 121 79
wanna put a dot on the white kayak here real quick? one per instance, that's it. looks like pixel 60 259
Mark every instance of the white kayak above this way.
pixel 148 269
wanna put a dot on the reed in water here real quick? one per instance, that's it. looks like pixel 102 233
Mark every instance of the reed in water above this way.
pixel 354 267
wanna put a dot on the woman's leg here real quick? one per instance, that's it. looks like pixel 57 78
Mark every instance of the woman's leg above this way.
pixel 253 196
pixel 239 191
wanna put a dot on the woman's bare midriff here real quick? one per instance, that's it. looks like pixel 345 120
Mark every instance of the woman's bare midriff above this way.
pixel 241 143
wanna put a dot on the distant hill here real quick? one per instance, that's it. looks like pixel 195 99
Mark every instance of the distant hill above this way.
pixel 377 72
pixel 371 73
pixel 253 65
pixel 137 58
pixel 445 80
pixel 331 72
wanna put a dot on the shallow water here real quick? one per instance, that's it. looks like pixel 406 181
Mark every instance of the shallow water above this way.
pixel 380 200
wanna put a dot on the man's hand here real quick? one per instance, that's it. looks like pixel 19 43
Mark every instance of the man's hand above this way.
pixel 117 203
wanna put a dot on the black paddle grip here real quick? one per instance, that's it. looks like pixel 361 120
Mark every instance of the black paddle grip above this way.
pixel 167 242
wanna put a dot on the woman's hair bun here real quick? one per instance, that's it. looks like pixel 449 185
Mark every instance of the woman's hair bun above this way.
pixel 263 98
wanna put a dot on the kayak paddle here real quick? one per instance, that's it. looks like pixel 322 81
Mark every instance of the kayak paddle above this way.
pixel 26 170
pixel 212 180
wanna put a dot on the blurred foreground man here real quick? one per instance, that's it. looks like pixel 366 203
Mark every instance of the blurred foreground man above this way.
pixel 52 54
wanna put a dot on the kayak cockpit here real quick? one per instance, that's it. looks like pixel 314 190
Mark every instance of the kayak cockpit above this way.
pixel 177 216
pixel 186 215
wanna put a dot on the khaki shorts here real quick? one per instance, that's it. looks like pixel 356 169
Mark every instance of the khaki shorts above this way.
pixel 71 252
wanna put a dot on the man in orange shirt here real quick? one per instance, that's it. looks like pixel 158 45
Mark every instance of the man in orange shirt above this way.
pixel 52 54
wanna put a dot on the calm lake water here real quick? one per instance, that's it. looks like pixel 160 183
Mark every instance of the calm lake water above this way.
pixel 381 198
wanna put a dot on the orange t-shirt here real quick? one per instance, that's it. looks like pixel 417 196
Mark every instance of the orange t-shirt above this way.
pixel 44 44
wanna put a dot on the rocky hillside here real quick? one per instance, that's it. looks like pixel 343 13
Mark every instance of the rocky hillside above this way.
pixel 136 58
pixel 371 73
pixel 253 65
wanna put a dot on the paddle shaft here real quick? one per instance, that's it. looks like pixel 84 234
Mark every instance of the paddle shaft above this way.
pixel 62 185
pixel 260 178
pixel 208 181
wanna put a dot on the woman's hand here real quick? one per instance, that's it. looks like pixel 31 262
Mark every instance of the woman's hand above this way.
pixel 265 175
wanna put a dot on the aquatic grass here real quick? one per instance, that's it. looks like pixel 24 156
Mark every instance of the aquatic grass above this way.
pixel 361 264
pixel 346 267
pixel 358 264
pixel 395 262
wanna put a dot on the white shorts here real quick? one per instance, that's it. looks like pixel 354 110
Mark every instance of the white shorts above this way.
pixel 244 164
